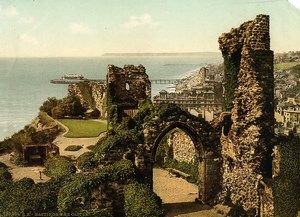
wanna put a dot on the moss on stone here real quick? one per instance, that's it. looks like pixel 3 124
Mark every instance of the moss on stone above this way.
pixel 86 91
pixel 231 70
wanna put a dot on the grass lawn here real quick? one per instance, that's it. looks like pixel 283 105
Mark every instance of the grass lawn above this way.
pixel 282 66
pixel 83 128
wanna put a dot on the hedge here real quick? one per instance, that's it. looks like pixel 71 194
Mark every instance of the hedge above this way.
pixel 140 201
pixel 87 160
pixel 73 148
pixel 59 167
pixel 286 189
pixel 75 196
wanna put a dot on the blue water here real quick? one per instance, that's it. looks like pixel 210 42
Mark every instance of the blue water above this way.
pixel 24 82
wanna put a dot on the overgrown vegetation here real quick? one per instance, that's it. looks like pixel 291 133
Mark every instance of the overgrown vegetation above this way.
pixel 231 70
pixel 68 106
pixel 76 196
pixel 31 135
pixel 190 168
pixel 164 158
pixel 59 167
pixel 286 188
pixel 88 160
pixel 86 91
pixel 24 198
pixel 5 179
pixel 140 201
pixel 83 128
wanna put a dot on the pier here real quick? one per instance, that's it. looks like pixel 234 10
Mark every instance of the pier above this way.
pixel 153 81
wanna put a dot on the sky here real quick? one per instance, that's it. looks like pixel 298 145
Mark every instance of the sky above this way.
pixel 90 28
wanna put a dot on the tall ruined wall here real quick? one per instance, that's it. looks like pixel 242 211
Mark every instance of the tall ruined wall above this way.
pixel 126 88
pixel 246 148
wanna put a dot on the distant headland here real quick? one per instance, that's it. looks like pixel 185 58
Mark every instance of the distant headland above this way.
pixel 163 54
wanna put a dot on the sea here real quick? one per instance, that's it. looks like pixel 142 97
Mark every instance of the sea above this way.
pixel 25 82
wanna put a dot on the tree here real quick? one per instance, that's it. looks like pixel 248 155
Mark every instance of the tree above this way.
pixel 49 104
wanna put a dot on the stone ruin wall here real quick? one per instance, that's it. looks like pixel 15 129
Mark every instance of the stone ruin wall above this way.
pixel 182 146
pixel 246 148
pixel 98 94
pixel 126 88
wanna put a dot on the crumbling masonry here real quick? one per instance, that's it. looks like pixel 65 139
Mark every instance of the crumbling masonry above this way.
pixel 126 88
pixel 247 143
pixel 234 160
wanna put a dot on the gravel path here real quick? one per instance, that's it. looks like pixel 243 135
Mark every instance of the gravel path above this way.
pixel 178 197
pixel 63 142
pixel 21 172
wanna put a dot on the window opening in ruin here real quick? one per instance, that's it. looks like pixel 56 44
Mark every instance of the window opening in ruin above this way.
pixel 127 87
pixel 175 162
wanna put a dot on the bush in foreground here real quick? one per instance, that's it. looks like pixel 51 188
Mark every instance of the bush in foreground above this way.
pixel 78 194
pixel 58 167
pixel 140 201
pixel 87 160
pixel 3 165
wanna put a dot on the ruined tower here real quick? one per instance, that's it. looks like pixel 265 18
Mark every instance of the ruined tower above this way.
pixel 126 88
pixel 249 84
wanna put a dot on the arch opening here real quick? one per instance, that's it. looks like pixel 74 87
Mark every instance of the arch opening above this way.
pixel 176 165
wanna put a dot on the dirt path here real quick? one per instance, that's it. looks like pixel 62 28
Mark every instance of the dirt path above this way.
pixel 21 172
pixel 178 197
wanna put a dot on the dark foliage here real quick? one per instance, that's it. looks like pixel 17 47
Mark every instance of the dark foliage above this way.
pixel 140 201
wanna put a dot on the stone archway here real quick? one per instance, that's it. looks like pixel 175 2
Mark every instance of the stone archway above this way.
pixel 206 145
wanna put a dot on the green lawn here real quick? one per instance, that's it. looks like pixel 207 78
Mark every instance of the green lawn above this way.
pixel 83 128
pixel 282 66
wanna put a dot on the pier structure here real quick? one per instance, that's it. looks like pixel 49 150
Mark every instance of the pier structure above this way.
pixel 153 81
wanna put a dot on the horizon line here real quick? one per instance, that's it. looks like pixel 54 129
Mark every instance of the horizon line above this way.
pixel 126 53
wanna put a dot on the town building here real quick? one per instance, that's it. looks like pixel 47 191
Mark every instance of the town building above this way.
pixel 202 97
pixel 287 115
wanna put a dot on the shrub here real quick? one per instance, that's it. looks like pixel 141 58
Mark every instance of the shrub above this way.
pixel 49 104
pixel 286 189
pixel 58 167
pixel 25 183
pixel 73 148
pixel 5 178
pixel 25 197
pixel 75 196
pixel 3 165
pixel 87 160
pixel 140 201
pixel 189 168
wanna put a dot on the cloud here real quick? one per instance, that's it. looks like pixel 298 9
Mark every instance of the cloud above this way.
pixel 296 3
pixel 29 39
pixel 79 28
pixel 9 11
pixel 143 20
pixel 26 20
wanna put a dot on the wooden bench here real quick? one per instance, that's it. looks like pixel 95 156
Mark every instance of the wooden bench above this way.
pixel 178 173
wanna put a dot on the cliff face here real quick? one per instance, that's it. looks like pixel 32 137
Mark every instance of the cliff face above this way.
pixel 91 94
